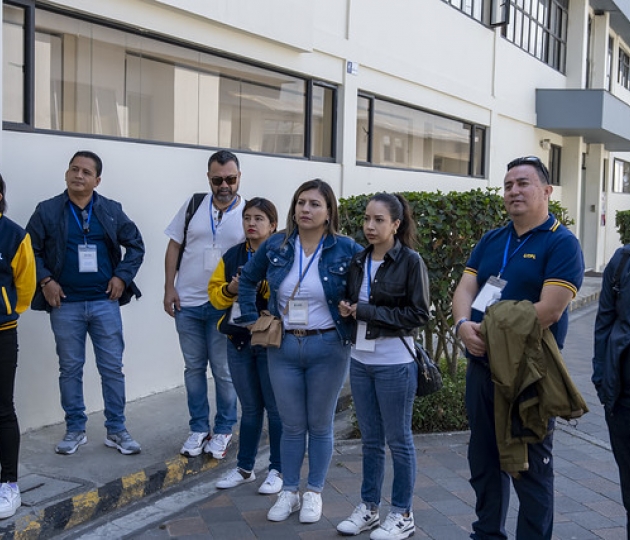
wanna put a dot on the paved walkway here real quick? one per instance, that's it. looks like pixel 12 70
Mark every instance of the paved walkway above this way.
pixel 169 496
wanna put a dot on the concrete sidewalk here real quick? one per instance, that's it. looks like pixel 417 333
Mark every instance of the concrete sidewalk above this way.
pixel 62 492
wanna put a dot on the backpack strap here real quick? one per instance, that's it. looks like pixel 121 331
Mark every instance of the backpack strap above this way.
pixel 193 206
pixel 625 255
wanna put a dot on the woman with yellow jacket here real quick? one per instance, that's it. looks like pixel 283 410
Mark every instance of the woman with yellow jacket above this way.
pixel 248 364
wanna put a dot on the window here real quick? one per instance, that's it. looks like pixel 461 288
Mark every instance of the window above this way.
pixel 555 157
pixel 540 28
pixel 98 80
pixel 400 136
pixel 623 77
pixel 473 8
pixel 621 176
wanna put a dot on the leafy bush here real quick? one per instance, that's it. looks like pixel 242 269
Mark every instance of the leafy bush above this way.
pixel 622 220
pixel 445 410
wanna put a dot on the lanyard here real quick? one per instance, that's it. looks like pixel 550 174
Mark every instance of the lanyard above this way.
pixel 76 218
pixel 214 229
pixel 369 275
pixel 507 259
pixel 308 266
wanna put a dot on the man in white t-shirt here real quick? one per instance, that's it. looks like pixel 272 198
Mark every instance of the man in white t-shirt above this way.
pixel 215 226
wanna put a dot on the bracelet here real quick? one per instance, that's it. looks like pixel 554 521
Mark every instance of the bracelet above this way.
pixel 42 285
pixel 459 323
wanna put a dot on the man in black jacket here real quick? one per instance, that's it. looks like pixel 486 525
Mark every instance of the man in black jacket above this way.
pixel 83 277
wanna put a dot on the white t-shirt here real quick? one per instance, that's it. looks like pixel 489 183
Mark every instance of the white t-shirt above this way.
pixel 203 248
pixel 387 350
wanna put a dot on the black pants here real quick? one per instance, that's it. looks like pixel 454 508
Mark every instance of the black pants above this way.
pixel 619 431
pixel 9 429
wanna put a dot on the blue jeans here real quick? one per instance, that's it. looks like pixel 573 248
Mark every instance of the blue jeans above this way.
pixel 619 431
pixel 533 487
pixel 71 323
pixel 307 374
pixel 250 376
pixel 202 343
pixel 383 398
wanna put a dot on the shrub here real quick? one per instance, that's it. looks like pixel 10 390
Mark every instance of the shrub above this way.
pixel 622 220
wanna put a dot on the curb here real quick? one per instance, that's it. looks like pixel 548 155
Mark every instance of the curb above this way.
pixel 68 513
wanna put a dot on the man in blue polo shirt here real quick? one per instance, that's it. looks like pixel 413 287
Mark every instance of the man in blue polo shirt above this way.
pixel 77 238
pixel 532 258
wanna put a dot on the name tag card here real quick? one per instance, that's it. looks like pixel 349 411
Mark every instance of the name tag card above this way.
pixel 88 260
pixel 489 294
pixel 298 311
pixel 363 344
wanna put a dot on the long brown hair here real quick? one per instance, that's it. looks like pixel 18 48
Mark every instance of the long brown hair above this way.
pixel 399 208
pixel 331 203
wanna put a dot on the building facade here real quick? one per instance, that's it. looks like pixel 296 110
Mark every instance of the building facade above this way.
pixel 371 95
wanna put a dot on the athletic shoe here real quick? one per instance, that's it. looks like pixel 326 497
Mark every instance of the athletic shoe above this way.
pixel 311 511
pixel 287 503
pixel 10 500
pixel 122 442
pixel 272 484
pixel 236 477
pixel 395 527
pixel 362 519
pixel 71 441
pixel 217 446
pixel 194 443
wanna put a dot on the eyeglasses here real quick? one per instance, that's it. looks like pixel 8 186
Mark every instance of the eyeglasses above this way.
pixel 534 162
pixel 218 180
pixel 86 221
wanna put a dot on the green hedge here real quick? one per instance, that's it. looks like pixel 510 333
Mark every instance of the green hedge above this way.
pixel 622 220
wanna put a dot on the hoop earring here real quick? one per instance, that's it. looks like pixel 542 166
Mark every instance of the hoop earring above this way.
pixel 293 218
pixel 327 222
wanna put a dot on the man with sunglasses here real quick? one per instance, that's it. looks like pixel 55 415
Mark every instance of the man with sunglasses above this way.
pixel 198 239
pixel 83 280
pixel 534 257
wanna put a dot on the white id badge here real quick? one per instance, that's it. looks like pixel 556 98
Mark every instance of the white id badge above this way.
pixel 363 344
pixel 235 313
pixel 489 294
pixel 298 312
pixel 211 258
pixel 88 261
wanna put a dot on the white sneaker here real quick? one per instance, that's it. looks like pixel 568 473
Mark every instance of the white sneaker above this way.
pixel 395 527
pixel 194 443
pixel 362 519
pixel 217 445
pixel 272 484
pixel 311 511
pixel 236 477
pixel 287 503
pixel 10 500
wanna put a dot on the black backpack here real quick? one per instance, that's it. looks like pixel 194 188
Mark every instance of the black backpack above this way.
pixel 193 206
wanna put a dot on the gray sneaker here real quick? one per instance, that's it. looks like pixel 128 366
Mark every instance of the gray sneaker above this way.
pixel 123 442
pixel 71 441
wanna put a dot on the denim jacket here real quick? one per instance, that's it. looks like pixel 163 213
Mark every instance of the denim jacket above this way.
pixel 273 260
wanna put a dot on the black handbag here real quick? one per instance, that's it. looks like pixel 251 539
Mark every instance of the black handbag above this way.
pixel 429 376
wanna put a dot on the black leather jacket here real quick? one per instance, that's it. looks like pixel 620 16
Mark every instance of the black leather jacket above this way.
pixel 399 294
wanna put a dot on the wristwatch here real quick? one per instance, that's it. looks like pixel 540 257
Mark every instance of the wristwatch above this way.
pixel 459 323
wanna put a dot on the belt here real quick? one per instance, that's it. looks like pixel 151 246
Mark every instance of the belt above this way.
pixel 301 332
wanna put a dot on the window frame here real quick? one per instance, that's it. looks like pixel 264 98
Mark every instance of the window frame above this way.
pixel 31 6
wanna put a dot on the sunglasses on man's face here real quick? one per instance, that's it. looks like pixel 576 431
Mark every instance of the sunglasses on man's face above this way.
pixel 218 180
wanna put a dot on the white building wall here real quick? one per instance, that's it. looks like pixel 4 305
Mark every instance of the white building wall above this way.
pixel 424 53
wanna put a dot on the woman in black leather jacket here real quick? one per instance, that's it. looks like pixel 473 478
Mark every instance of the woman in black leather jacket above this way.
pixel 388 297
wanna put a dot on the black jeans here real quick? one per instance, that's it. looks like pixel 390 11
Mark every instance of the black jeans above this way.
pixel 619 431
pixel 9 429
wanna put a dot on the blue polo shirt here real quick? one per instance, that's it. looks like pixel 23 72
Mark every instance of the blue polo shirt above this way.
pixel 547 255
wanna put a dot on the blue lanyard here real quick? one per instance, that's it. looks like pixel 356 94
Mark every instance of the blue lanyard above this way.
pixel 214 229
pixel 76 218
pixel 507 259
pixel 308 266
pixel 369 275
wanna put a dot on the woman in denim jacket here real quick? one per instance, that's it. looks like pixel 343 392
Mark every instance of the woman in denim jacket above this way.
pixel 306 267
pixel 388 298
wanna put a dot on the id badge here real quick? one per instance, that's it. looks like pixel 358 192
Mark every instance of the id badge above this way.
pixel 489 294
pixel 235 313
pixel 298 311
pixel 88 260
pixel 211 258
pixel 363 344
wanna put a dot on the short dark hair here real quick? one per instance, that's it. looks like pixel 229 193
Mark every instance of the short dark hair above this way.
pixel 98 163
pixel 3 201
pixel 541 168
pixel 268 208
pixel 222 157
